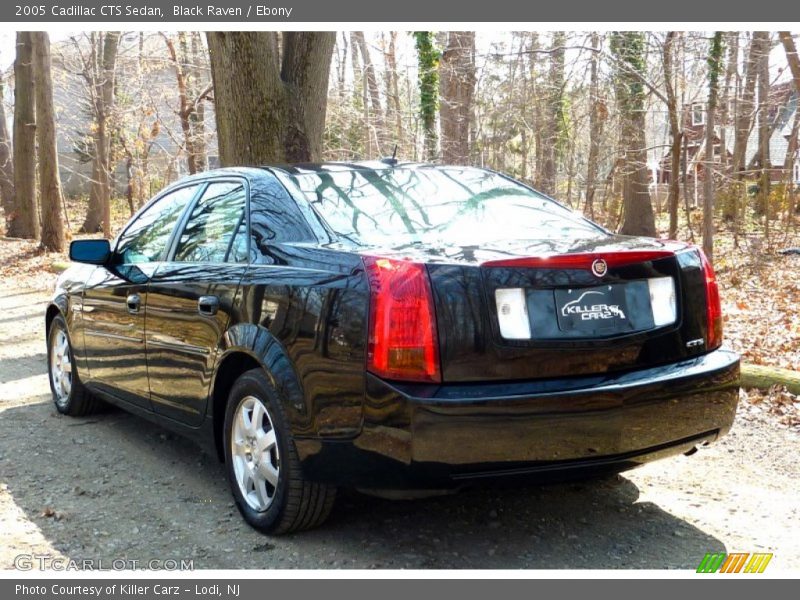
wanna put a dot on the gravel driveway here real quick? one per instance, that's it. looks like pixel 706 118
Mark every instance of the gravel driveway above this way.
pixel 113 486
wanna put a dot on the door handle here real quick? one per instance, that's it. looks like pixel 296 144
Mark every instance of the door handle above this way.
pixel 134 303
pixel 208 305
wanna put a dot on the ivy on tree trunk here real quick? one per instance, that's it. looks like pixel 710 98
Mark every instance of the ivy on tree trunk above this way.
pixel 428 59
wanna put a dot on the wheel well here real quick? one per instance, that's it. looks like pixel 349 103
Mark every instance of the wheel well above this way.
pixel 232 366
pixel 51 313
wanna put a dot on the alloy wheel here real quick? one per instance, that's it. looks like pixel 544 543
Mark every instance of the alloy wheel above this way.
pixel 61 367
pixel 255 454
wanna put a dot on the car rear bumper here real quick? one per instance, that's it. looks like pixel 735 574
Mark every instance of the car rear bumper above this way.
pixel 433 436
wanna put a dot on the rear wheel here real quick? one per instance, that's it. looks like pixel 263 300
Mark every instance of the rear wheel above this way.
pixel 69 395
pixel 262 464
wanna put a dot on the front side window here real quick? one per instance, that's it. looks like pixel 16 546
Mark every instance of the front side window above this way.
pixel 145 240
pixel 445 205
pixel 217 229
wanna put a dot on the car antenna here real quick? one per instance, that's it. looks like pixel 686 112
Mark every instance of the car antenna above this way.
pixel 391 160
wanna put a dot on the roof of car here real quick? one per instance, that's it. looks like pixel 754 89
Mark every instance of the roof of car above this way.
pixel 308 168
pixel 371 165
pixel 251 172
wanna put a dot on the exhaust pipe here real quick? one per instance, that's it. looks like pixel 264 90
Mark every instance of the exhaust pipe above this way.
pixel 690 451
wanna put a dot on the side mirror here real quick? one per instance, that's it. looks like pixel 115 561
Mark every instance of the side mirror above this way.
pixel 93 252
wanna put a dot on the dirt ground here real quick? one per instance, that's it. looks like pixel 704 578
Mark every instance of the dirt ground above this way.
pixel 113 486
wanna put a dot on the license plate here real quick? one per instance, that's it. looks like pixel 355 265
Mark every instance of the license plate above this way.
pixel 604 310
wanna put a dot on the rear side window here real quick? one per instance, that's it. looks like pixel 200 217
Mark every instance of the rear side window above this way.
pixel 216 229
pixel 146 238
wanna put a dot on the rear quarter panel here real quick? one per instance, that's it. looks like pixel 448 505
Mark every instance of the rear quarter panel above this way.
pixel 305 318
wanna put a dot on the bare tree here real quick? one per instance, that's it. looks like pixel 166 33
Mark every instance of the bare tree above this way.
pixel 794 66
pixel 373 109
pixel 6 161
pixel 727 93
pixel 457 88
pixel 764 133
pixel 200 94
pixel 393 88
pixel 597 112
pixel 187 107
pixel 25 221
pixel 714 69
pixel 267 113
pixel 52 234
pixel 675 129
pixel 99 72
pixel 759 45
pixel 554 110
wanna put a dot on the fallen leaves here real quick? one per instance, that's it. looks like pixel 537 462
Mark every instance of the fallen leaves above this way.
pixel 51 513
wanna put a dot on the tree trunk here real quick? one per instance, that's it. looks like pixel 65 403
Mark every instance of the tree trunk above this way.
pixel 25 221
pixel 731 69
pixel 102 77
pixel 185 108
pixel 794 65
pixel 676 133
pixel 764 131
pixel 554 111
pixel 6 163
pixel 763 377
pixel 361 98
pixel 457 89
pixel 393 90
pixel 266 115
pixel 198 116
pixel 341 66
pixel 745 106
pixel 93 222
pixel 595 126
pixel 714 69
pixel 374 107
pixel 638 218
pixel 49 180
pixel 791 57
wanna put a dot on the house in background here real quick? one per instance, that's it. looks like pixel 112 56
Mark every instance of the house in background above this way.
pixel 781 113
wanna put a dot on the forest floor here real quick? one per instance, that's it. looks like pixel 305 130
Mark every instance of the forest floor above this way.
pixel 113 486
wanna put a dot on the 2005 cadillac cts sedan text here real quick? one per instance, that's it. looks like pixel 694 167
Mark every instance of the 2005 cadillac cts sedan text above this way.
pixel 390 327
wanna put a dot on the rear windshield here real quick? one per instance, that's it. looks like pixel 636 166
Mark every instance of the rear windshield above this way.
pixel 437 205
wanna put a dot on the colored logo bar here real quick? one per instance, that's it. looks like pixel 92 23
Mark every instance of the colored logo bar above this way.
pixel 738 562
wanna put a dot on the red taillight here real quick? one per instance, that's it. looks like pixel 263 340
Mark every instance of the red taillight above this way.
pixel 713 307
pixel 402 326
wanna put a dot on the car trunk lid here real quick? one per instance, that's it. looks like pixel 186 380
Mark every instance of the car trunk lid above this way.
pixel 620 304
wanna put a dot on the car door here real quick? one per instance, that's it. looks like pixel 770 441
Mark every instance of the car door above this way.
pixel 190 298
pixel 115 298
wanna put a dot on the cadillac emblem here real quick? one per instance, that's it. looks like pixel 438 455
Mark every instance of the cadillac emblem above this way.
pixel 599 267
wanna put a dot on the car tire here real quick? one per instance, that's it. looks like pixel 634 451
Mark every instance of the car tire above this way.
pixel 262 465
pixel 69 394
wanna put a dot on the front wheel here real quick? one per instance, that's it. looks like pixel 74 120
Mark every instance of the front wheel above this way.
pixel 69 395
pixel 262 464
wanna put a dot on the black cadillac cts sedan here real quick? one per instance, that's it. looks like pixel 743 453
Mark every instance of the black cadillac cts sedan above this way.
pixel 390 327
